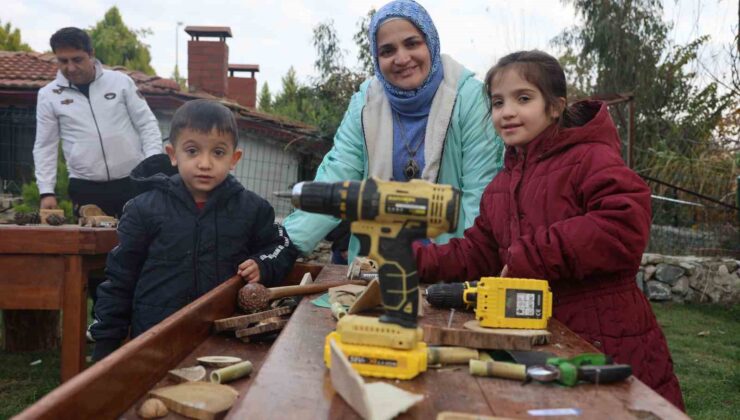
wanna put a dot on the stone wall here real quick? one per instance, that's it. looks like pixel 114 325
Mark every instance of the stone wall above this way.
pixel 689 279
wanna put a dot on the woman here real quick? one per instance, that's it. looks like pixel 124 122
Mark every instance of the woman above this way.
pixel 423 115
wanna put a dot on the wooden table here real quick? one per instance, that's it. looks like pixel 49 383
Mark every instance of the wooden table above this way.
pixel 290 381
pixel 118 384
pixel 294 383
pixel 45 267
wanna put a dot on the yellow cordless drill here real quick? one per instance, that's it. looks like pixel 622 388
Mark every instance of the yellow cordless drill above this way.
pixel 387 217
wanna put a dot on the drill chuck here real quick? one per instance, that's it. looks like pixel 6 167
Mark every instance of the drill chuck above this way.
pixel 317 197
pixel 449 295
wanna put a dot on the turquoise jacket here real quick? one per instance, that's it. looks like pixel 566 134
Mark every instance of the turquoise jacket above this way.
pixel 461 149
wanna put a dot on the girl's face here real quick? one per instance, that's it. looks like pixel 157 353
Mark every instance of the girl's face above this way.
pixel 403 55
pixel 519 109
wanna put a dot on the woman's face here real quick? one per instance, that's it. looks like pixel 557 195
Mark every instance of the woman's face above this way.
pixel 403 55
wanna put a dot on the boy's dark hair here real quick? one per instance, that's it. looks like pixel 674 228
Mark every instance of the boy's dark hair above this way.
pixel 71 38
pixel 202 115
pixel 543 71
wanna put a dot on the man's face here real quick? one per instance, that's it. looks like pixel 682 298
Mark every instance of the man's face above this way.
pixel 76 65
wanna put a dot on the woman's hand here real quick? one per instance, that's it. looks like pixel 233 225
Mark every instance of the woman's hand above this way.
pixel 250 271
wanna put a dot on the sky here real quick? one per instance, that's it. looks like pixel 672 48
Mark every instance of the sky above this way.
pixel 276 34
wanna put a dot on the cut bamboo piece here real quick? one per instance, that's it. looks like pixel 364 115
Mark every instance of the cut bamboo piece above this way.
pixel 232 372
pixel 218 361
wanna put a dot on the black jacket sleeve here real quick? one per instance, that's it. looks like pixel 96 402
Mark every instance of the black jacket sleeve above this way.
pixel 274 251
pixel 115 295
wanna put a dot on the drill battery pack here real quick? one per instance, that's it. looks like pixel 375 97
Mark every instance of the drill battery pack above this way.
pixel 504 302
pixel 380 362
pixel 379 349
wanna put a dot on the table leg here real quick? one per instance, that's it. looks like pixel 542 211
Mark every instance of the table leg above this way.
pixel 74 317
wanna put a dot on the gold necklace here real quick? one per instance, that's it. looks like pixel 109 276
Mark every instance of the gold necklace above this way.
pixel 411 170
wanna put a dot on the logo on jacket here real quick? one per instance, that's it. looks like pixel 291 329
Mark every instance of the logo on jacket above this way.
pixel 67 101
pixel 58 91
pixel 110 95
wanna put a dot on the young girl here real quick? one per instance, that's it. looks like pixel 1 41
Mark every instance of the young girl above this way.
pixel 565 209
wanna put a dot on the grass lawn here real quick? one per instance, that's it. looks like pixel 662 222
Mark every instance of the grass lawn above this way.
pixel 707 365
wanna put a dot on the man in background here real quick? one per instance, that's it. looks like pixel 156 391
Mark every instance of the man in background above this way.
pixel 103 121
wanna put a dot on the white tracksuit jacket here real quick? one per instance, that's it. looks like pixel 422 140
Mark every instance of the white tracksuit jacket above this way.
pixel 103 138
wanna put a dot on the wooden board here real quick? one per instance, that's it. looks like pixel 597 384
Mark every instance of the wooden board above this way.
pixel 198 400
pixel 243 321
pixel 473 335
pixel 295 371
pixel 261 328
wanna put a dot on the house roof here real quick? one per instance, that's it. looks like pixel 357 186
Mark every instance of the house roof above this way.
pixel 30 71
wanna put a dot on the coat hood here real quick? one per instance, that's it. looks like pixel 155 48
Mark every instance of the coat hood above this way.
pixel 598 128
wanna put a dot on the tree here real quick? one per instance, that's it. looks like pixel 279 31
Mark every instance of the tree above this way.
pixel 265 99
pixel 323 101
pixel 622 46
pixel 181 81
pixel 364 57
pixel 10 39
pixel 117 45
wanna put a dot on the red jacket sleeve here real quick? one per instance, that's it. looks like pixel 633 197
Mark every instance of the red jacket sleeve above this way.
pixel 609 237
pixel 468 258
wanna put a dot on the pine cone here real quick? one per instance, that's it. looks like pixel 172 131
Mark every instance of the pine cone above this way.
pixel 26 218
pixel 55 220
pixel 35 218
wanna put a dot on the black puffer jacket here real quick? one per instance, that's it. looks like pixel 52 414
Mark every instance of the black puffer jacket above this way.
pixel 170 253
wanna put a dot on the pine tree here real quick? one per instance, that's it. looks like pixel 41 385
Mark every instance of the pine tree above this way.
pixel 10 39
pixel 117 45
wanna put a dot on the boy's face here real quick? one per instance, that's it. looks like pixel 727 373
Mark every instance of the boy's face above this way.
pixel 203 160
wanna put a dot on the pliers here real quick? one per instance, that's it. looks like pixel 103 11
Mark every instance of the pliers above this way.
pixel 589 367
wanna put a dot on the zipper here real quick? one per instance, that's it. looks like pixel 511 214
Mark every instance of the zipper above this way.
pixel 100 136
pixel 196 242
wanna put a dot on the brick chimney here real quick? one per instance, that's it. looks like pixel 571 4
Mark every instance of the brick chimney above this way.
pixel 243 89
pixel 208 60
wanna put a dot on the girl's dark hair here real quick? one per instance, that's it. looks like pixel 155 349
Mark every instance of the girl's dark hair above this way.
pixel 543 71
pixel 203 116
pixel 71 37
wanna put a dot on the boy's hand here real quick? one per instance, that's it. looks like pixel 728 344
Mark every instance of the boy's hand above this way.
pixel 250 271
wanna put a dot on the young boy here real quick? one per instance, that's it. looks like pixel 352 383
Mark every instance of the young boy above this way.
pixel 187 233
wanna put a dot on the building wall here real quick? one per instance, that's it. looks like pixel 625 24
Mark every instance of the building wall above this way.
pixel 266 168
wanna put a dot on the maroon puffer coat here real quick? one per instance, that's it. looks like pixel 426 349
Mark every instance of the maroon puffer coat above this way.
pixel 568 210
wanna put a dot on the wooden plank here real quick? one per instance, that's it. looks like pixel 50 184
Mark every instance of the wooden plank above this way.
pixel 295 371
pixel 242 321
pixel 31 281
pixel 245 333
pixel 116 384
pixel 65 239
pixel 74 317
pixel 441 336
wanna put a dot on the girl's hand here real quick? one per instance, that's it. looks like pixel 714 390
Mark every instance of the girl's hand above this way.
pixel 505 272
pixel 250 271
